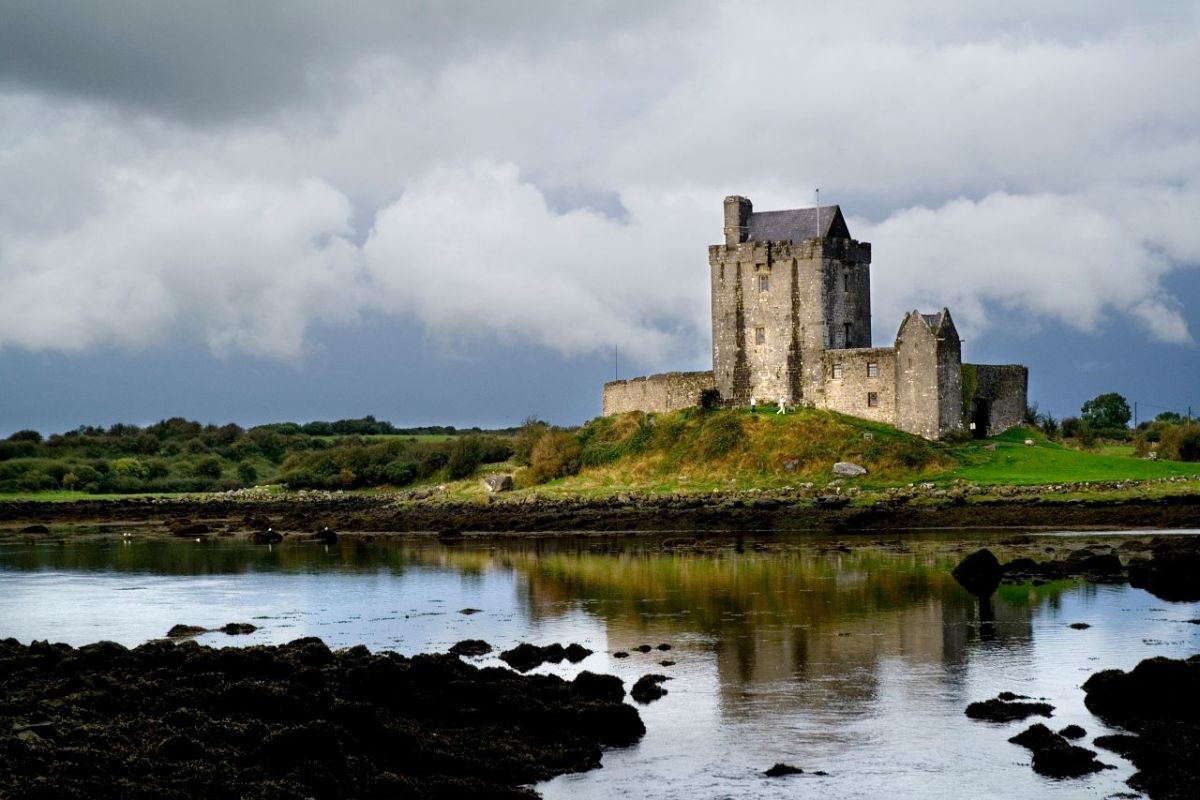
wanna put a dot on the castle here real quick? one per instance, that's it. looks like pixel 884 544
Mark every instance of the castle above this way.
pixel 791 321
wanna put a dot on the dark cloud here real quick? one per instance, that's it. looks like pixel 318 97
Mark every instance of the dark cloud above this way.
pixel 222 59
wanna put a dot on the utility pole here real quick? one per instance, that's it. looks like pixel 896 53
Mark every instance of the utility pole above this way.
pixel 616 374
pixel 818 232
pixel 1135 413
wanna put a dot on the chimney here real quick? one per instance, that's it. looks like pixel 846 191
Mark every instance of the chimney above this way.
pixel 737 219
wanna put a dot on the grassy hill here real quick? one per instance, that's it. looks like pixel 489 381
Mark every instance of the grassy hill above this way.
pixel 694 451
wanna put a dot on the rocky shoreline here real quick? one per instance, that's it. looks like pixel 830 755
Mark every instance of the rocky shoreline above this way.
pixel 167 720
pixel 801 510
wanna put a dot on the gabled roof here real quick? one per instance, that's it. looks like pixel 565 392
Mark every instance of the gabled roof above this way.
pixel 797 224
pixel 939 324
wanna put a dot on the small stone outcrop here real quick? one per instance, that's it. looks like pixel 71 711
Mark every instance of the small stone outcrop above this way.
pixel 498 483
pixel 648 688
pixel 1007 708
pixel 848 469
pixel 1054 756
pixel 471 648
pixel 780 769
pixel 525 656
pixel 979 573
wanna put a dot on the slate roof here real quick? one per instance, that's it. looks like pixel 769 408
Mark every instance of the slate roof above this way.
pixel 933 320
pixel 796 224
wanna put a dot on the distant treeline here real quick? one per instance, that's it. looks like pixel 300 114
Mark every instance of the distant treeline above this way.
pixel 179 455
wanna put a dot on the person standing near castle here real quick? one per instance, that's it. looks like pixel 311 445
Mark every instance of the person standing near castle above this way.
pixel 782 406
pixel 753 404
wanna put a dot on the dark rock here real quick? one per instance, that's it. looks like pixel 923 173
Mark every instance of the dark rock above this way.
pixel 643 648
pixel 269 536
pixel 1072 732
pixel 184 631
pixel 326 535
pixel 832 502
pixel 647 688
pixel 620 654
pixel 664 647
pixel 1066 761
pixel 1159 699
pixel 1080 626
pixel 781 769
pixel 450 535
pixel 979 573
pixel 1173 571
pixel 238 628
pixel 35 529
pixel 998 710
pixel 1008 697
pixel 469 611
pixel 576 653
pixel 600 687
pixel 471 647
pixel 1037 737
pixel 666 663
pixel 185 527
pixel 525 656
pixel 1054 756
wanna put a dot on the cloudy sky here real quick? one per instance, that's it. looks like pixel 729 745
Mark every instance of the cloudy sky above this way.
pixel 453 212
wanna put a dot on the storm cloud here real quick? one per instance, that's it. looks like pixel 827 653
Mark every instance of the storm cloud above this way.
pixel 244 174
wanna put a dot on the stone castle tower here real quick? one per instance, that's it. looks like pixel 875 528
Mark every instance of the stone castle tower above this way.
pixel 791 322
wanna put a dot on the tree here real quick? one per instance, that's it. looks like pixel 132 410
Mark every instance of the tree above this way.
pixel 1169 416
pixel 1106 411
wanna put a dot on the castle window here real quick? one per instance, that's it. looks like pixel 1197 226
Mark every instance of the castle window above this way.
pixel 764 283
pixel 872 370
pixel 846 325
pixel 760 335
pixel 846 281
pixel 872 399
pixel 837 371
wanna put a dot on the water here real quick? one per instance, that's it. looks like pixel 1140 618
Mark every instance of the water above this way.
pixel 856 663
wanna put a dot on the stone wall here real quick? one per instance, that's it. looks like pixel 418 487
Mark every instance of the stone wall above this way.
pixel 668 391
pixel 1005 387
pixel 849 393
pixel 776 307
pixel 928 377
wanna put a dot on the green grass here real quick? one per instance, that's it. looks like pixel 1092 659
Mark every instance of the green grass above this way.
pixel 1045 462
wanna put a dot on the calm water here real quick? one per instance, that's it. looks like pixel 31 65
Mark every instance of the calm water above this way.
pixel 857 663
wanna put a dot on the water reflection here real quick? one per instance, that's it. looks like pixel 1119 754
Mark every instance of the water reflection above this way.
pixel 855 660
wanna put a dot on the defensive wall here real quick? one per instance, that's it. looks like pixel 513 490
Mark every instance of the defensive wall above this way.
pixel 668 391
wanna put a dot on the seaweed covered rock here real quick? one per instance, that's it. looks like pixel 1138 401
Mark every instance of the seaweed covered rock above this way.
pixel 1159 700
pixel 1173 571
pixel 1054 756
pixel 1007 708
pixel 978 573
pixel 296 720
pixel 525 656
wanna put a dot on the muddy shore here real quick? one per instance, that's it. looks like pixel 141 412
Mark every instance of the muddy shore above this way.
pixel 166 720
pixel 355 513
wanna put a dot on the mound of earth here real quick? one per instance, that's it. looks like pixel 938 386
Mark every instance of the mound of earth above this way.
pixel 168 720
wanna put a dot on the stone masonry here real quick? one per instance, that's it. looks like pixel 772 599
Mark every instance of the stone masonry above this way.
pixel 791 321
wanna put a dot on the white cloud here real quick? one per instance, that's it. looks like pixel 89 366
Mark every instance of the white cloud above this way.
pixel 1012 162
pixel 243 265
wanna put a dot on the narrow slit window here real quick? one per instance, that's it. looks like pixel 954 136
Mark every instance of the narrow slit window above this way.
pixel 872 369
pixel 760 335
pixel 845 281
pixel 846 325
pixel 872 399
pixel 764 282
pixel 837 371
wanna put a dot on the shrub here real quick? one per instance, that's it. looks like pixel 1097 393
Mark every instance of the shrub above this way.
pixel 1181 443
pixel 1049 425
pixel 465 457
pixel 400 473
pixel 710 399
pixel 1087 437
pixel 532 429
pixel 207 468
pixel 1070 427
pixel 556 455
pixel 247 474
pixel 130 468
pixel 26 436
